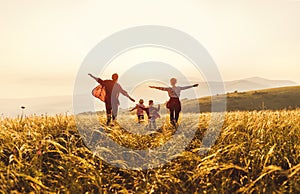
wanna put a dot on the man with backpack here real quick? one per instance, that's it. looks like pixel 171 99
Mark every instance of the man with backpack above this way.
pixel 111 99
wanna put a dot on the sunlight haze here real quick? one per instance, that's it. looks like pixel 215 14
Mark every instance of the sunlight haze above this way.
pixel 43 43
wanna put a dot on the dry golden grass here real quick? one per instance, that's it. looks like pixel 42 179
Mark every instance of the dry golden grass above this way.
pixel 257 152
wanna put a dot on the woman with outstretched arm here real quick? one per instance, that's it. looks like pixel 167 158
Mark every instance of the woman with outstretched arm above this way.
pixel 174 104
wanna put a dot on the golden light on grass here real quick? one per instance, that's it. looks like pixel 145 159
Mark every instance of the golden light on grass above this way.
pixel 257 152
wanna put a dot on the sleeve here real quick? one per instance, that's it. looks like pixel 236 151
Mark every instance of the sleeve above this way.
pixel 162 88
pixel 100 81
pixel 136 106
pixel 158 108
pixel 185 87
pixel 122 91
pixel 144 108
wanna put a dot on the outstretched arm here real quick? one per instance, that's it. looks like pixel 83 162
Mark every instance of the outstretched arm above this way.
pixel 134 108
pixel 145 109
pixel 122 91
pixel 188 87
pixel 100 81
pixel 159 88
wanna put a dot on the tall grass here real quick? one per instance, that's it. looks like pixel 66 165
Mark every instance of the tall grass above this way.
pixel 256 152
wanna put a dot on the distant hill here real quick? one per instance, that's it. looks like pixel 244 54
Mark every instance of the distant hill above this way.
pixel 63 104
pixel 256 83
pixel 271 99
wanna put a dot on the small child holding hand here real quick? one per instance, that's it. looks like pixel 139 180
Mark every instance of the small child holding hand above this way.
pixel 152 113
pixel 139 110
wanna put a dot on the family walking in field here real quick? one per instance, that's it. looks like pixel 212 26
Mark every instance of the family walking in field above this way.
pixel 109 90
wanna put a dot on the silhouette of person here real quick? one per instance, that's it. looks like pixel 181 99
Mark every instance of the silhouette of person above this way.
pixel 174 104
pixel 152 113
pixel 113 90
pixel 139 110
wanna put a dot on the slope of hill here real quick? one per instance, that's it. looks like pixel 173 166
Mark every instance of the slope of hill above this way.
pixel 255 83
pixel 270 83
pixel 270 99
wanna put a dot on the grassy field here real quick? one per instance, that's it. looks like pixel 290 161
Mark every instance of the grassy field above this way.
pixel 268 99
pixel 256 152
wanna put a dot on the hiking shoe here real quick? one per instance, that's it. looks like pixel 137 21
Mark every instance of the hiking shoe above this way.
pixel 108 123
pixel 173 123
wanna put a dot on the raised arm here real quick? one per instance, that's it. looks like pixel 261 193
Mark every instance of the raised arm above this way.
pixel 158 107
pixel 188 87
pixel 122 91
pixel 100 81
pixel 159 88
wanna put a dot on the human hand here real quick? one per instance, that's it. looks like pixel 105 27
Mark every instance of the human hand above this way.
pixel 91 75
pixel 195 85
pixel 132 99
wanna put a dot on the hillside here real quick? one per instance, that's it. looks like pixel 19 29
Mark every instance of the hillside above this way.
pixel 270 99
pixel 256 83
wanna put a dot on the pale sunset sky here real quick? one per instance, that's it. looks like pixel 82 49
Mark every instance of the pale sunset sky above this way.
pixel 43 43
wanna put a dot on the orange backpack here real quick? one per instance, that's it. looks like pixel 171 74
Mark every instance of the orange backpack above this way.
pixel 99 92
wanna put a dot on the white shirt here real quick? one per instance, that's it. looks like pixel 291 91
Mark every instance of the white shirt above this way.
pixel 174 92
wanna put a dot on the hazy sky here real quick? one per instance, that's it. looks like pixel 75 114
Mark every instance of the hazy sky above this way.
pixel 43 43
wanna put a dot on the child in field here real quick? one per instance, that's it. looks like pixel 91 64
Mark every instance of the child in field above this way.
pixel 139 110
pixel 152 113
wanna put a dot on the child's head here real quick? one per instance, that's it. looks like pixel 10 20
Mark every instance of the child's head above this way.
pixel 150 102
pixel 141 101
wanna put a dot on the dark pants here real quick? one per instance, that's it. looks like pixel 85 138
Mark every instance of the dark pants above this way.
pixel 175 108
pixel 111 110
pixel 140 118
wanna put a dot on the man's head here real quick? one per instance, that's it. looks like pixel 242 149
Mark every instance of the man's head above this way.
pixel 115 77
pixel 141 101
pixel 173 81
